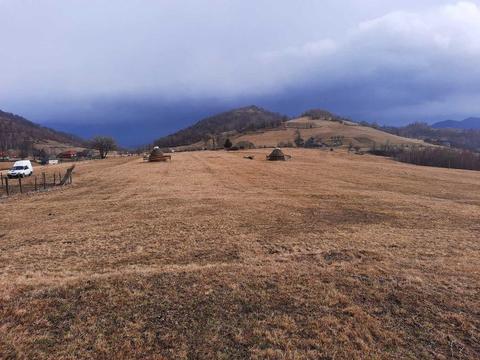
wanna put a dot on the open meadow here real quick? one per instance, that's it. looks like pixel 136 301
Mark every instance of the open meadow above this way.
pixel 330 255
pixel 351 133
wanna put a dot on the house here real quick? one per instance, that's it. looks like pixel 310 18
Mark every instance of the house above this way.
pixel 87 153
pixel 4 155
pixel 69 154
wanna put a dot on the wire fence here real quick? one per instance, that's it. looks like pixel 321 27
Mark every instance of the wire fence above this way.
pixel 41 182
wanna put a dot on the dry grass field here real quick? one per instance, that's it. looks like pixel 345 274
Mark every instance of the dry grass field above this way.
pixel 353 133
pixel 327 256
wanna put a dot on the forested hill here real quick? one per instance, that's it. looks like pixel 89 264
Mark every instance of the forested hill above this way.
pixel 238 120
pixel 16 130
pixel 458 138
pixel 472 123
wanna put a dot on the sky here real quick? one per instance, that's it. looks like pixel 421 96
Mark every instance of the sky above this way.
pixel 140 69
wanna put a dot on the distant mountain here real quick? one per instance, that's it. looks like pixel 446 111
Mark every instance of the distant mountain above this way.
pixel 15 131
pixel 467 124
pixel 458 138
pixel 240 120
pixel 254 126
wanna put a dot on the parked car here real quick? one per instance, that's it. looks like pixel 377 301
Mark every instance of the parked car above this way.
pixel 20 168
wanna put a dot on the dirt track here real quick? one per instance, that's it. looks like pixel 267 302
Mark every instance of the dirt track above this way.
pixel 213 255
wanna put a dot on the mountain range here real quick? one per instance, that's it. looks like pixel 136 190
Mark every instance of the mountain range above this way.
pixel 253 126
pixel 472 123
pixel 260 127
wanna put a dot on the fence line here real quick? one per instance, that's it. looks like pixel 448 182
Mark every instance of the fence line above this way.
pixel 11 186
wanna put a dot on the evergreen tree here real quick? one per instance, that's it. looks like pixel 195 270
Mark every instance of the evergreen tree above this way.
pixel 228 144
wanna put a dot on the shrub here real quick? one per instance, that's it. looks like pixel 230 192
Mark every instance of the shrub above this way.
pixel 283 144
pixel 245 145
pixel 228 144
pixel 313 143
pixel 298 139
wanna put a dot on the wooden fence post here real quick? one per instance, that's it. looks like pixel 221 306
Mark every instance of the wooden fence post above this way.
pixel 54 179
pixel 20 184
pixel 44 181
pixel 6 186
pixel 1 177
pixel 36 183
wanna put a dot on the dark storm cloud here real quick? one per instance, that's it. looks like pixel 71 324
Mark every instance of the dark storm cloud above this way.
pixel 113 64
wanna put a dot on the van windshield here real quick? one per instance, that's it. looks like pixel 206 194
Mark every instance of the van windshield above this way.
pixel 19 167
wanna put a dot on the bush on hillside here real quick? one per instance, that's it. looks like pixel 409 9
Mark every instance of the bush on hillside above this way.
pixel 228 144
pixel 298 139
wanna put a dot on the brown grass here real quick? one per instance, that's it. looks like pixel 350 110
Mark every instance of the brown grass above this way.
pixel 354 134
pixel 329 255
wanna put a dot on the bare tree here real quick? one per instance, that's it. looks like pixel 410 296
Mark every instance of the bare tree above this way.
pixel 104 144
pixel 26 148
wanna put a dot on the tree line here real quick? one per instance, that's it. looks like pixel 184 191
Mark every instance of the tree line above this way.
pixel 431 156
pixel 458 138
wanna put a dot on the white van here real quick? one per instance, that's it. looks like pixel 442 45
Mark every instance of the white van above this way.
pixel 21 168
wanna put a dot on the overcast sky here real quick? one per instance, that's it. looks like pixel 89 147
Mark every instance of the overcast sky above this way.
pixel 90 64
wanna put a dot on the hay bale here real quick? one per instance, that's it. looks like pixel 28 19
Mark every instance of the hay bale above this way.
pixel 157 155
pixel 277 155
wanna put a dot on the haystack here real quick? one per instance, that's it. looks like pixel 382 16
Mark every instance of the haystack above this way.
pixel 157 155
pixel 277 155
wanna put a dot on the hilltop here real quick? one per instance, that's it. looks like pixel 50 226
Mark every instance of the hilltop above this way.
pixel 234 121
pixel 16 131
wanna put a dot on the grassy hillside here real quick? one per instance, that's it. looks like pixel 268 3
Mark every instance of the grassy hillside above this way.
pixel 216 256
pixel 323 130
pixel 264 128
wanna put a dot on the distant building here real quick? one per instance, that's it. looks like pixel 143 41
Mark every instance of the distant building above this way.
pixel 87 153
pixel 70 154
pixel 4 155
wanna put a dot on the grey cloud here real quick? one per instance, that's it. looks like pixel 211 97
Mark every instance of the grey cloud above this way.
pixel 391 60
